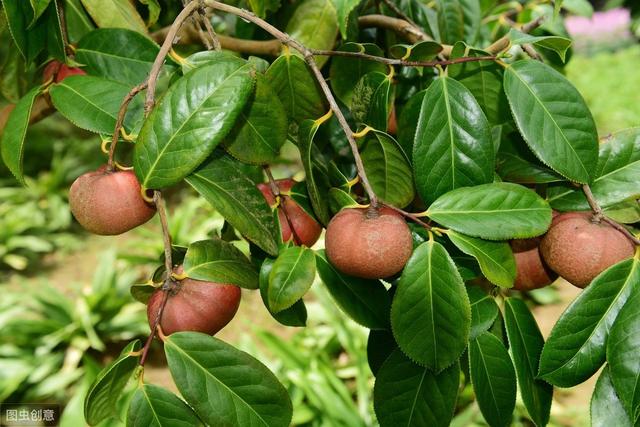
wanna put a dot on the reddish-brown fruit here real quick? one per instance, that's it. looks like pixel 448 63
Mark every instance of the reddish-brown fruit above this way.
pixel 392 123
pixel 58 71
pixel 4 116
pixel 531 271
pixel 196 306
pixel 578 249
pixel 109 203
pixel 368 243
pixel 307 229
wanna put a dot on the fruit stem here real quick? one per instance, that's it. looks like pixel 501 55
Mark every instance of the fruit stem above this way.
pixel 598 216
pixel 156 323
pixel 276 194
pixel 412 217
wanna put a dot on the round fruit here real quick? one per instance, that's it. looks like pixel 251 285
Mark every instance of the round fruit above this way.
pixel 578 249
pixel 368 243
pixel 307 229
pixel 109 203
pixel 195 305
pixel 531 271
pixel 59 71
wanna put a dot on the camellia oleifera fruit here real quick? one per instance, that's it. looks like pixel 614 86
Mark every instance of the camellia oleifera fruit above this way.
pixel 578 248
pixel 531 270
pixel 109 203
pixel 57 71
pixel 368 243
pixel 306 230
pixel 195 305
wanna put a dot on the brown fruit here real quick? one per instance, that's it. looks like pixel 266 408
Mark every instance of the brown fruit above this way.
pixel 578 249
pixel 392 122
pixel 109 203
pixel 195 305
pixel 307 229
pixel 59 71
pixel 368 243
pixel 531 271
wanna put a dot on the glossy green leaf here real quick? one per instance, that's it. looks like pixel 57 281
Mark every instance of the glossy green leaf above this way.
pixel 493 378
pixel 38 7
pixel 101 399
pixel 115 14
pixel 142 293
pixel 261 128
pixel 55 39
pixel 370 103
pixel 365 301
pixel 576 347
pixel 19 15
pixel 154 406
pixel 340 199
pixel 231 192
pixel 316 179
pixel 408 122
pixel 291 277
pixel 495 258
pixel 92 103
pixel 525 344
pixel 117 54
pixel 314 24
pixel 616 175
pixel 422 51
pixel 15 131
pixel 296 315
pixel 484 311
pixel 516 163
pixel 406 394
pixel 626 212
pixel 218 261
pixel 210 57
pixel 559 45
pixel 193 117
pixel 345 73
pixel 343 9
pixel 78 22
pixel 606 407
pixel 388 169
pixel 498 211
pixel 553 118
pixel 453 146
pixel 450 20
pixel 431 313
pixel 226 386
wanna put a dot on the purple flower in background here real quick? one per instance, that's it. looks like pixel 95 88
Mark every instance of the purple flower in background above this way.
pixel 614 22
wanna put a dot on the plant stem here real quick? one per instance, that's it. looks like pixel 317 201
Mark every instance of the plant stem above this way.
pixel 120 120
pixel 63 28
pixel 210 31
pixel 411 216
pixel 503 42
pixel 598 215
pixel 391 5
pixel 402 62
pixel 276 193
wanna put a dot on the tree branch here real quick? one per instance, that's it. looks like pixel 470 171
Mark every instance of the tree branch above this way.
pixel 598 215
pixel 391 5
pixel 120 120
pixel 402 62
pixel 503 42
pixel 411 216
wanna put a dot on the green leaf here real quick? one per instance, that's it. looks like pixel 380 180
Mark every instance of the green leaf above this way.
pixel 406 394
pixel 154 10
pixel 296 315
pixel 261 128
pixel 117 54
pixel 343 9
pixel 222 182
pixel 422 51
pixel 498 211
pixel 19 15
pixel 576 347
pixel 450 20
pixel 453 146
pixel 316 178
pixel 101 399
pixel 179 134
pixel 553 118
pixel 606 407
pixel 218 261
pixel 493 378
pixel 365 301
pixel 380 345
pixel 345 73
pixel 578 7
pixel 388 169
pixel 92 103
pixel 38 6
pixel 55 40
pixel 340 199
pixel 516 163
pixel 622 350
pixel 142 293
pixel 525 344
pixel 484 311
pixel 260 7
pixel 291 277
pixel 431 313
pixel 370 103
pixel 559 45
pixel 616 175
pixel 408 123
pixel 116 14
pixel 226 386
pixel 78 22
pixel 154 406
pixel 495 258
pixel 315 25
pixel 15 131
pixel 292 81
pixel 209 57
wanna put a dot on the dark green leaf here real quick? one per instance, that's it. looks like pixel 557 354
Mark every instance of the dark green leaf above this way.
pixel 78 22
pixel 431 313
pixel 55 40
pixel 343 10
pixel 370 102
pixel 115 14
pixel 142 293
pixel 484 311
pixel 154 406
pixel 408 123
pixel 450 20
pixel 421 51
pixel 316 179
pixel 226 386
pixel 296 315
pixel 291 277
pixel 606 408
pixel 314 24
pixel 19 15
pixel 38 6
pixel 345 73
pixel 380 345
pixel 516 163
pixel 559 45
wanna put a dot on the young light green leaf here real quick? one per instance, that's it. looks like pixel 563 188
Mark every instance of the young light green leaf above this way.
pixel 222 182
pixel 154 406
pixel 226 386
pixel 345 73
pixel 484 311
pixel 525 344
pixel 576 347
pixel 365 301
pixel 115 14
pixel 493 378
pixel 553 118
pixel 260 7
pixel 315 171
pixel 453 146
pixel 15 131
pixel 296 315
pixel 218 261
pixel 421 51
pixel 606 407
pixel 559 45
pixel 314 24
pixel 406 394
pixel 431 313
pixel 291 277
pixel 498 211
pixel 370 103
pixel 343 9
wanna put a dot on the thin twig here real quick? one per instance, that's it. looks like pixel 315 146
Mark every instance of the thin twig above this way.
pixel 402 62
pixel 598 215
pixel 120 120
pixel 531 51
pixel 411 216
pixel 210 31
pixel 63 28
pixel 154 328
pixel 276 193
pixel 391 5
pixel 504 42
